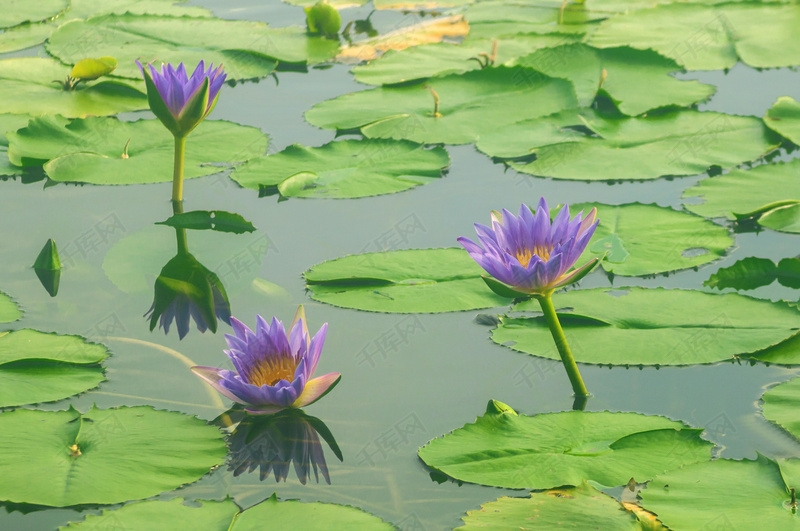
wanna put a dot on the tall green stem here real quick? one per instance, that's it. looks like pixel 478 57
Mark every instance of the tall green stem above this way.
pixel 183 246
pixel 177 173
pixel 563 348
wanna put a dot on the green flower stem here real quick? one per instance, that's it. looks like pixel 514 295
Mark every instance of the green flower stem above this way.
pixel 177 173
pixel 183 246
pixel 563 348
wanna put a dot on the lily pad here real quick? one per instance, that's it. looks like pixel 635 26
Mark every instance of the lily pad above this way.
pixel 217 220
pixel 746 193
pixel 702 37
pixel 568 145
pixel 18 11
pixel 503 449
pixel 431 60
pixel 569 509
pixel 9 311
pixel 91 150
pixel 783 219
pixel 247 49
pixel 655 326
pixel 725 494
pixel 784 118
pixel 410 281
pixel 346 169
pixel 419 4
pixel 338 4
pixel 780 404
pixel 619 73
pixel 25 36
pixel 425 32
pixel 626 233
pixel 227 516
pixel 752 273
pixel 38 367
pixel 469 105
pixel 27 87
pixel 64 458
pixel 509 17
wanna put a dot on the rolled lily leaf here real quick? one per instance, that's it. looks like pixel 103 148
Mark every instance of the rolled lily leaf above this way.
pixel 88 69
pixel 48 257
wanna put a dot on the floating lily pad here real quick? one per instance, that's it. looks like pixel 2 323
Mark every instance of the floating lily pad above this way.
pixel 569 509
pixel 18 11
pixel 430 60
pixel 783 219
pixel 746 193
pixel 217 220
pixel 140 516
pixel 627 70
pixel 469 105
pixel 27 87
pixel 503 449
pixel 345 169
pixel 25 36
pixel 91 150
pixel 227 516
pixel 784 118
pixel 63 458
pixel 752 273
pixel 509 17
pixel 9 311
pixel 247 49
pixel 780 405
pixel 725 494
pixel 640 326
pixel 702 37
pixel 684 142
pixel 425 32
pixel 411 281
pixel 38 367
pixel 626 233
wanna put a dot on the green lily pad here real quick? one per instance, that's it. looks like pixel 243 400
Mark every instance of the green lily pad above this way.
pixel 748 273
pixel 569 509
pixel 27 87
pixel 63 458
pixel 247 49
pixel 25 36
pixel 141 516
pixel 347 168
pixel 784 118
pixel 469 105
pixel 701 37
pixel 9 311
pixel 683 142
pixel 10 123
pixel 725 494
pixel 746 193
pixel 783 219
pixel 656 326
pixel 227 516
pixel 411 281
pixel 508 17
pixel 626 233
pixel 442 58
pixel 627 70
pixel 338 4
pixel 217 220
pixel 91 150
pixel 503 449
pixel 18 11
pixel 38 367
pixel 780 404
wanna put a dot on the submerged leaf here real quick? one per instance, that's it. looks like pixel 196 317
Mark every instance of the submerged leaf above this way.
pixel 217 220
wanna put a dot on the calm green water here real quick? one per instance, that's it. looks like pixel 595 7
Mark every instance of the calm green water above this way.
pixel 432 380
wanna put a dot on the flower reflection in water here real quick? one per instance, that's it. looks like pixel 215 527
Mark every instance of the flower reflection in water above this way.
pixel 276 443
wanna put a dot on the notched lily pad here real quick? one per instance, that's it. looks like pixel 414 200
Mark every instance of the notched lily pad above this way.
pixel 503 449
pixel 344 169
pixel 780 405
pixel 411 281
pixel 784 118
pixel 64 458
pixel 655 326
pixel 18 11
pixel 9 310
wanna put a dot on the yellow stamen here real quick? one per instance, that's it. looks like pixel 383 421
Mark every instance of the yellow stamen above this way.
pixel 270 372
pixel 526 255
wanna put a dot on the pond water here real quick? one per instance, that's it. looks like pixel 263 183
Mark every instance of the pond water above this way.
pixel 398 390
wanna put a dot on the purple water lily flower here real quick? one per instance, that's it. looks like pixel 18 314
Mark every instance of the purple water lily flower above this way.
pixel 273 370
pixel 528 253
pixel 178 100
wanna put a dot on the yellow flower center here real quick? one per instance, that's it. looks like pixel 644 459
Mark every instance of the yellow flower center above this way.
pixel 272 371
pixel 525 255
